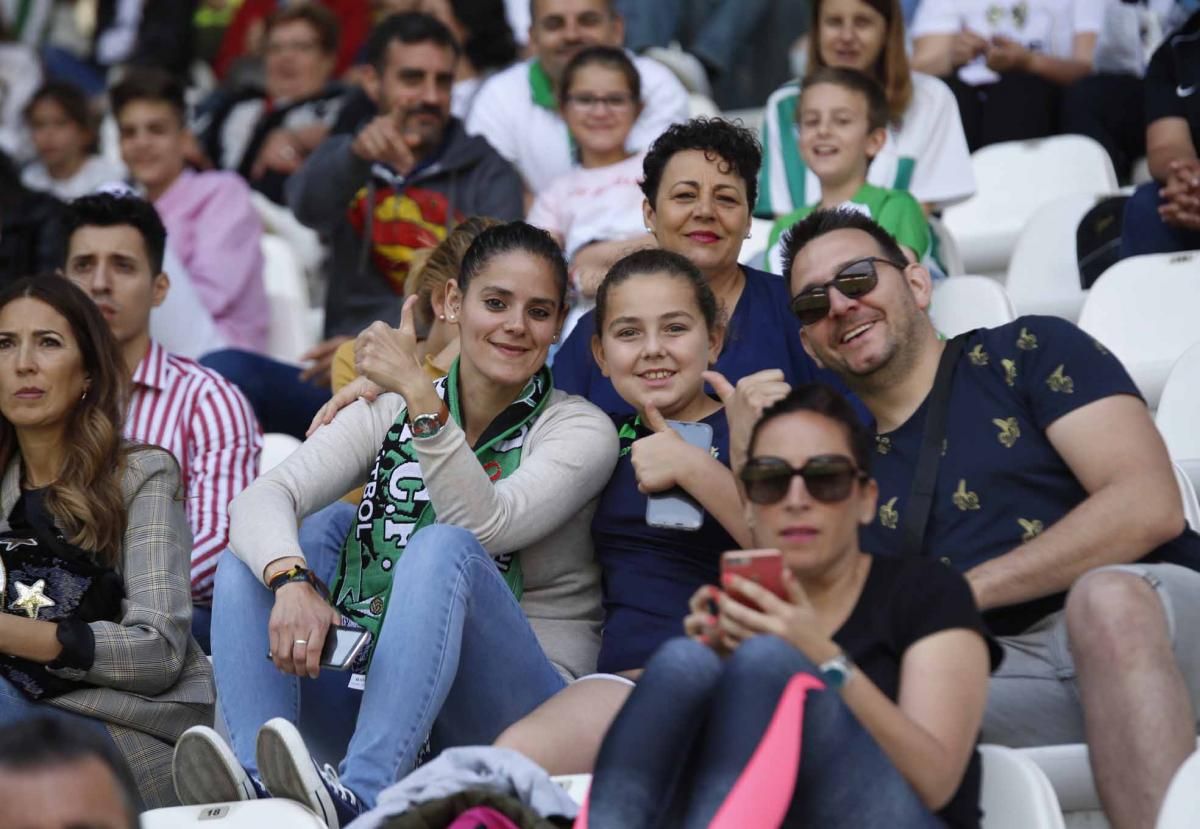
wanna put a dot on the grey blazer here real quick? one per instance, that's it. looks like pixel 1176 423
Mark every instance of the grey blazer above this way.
pixel 151 680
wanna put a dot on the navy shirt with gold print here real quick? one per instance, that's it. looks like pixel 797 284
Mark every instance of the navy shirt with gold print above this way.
pixel 1000 481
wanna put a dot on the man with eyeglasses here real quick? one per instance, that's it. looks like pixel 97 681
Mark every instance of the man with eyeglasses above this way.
pixel 517 110
pixel 1054 496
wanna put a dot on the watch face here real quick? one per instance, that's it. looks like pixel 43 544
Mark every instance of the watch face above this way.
pixel 425 425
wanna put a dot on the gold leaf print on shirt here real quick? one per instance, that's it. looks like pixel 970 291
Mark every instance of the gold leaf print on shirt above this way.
pixel 1010 430
pixel 978 356
pixel 1010 371
pixel 1026 341
pixel 963 498
pixel 1060 382
pixel 1032 527
pixel 888 516
pixel 883 444
pixel 1099 347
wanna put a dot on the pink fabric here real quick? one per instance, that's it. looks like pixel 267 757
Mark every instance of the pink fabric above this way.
pixel 763 791
pixel 214 230
pixel 482 817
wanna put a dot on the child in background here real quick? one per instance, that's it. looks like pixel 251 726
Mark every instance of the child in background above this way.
pixel 595 211
pixel 842 118
pixel 64 136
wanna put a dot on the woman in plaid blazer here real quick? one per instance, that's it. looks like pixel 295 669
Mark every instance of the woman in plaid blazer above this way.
pixel 71 484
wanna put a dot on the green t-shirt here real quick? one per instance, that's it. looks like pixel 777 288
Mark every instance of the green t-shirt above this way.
pixel 896 211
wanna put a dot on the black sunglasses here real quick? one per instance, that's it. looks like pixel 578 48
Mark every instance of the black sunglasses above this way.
pixel 856 279
pixel 828 478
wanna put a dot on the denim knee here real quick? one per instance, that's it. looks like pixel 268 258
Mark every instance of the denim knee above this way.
pixel 233 577
pixel 685 655
pixel 769 655
pixel 440 549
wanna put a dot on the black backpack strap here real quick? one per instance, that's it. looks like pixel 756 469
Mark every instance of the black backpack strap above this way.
pixel 920 497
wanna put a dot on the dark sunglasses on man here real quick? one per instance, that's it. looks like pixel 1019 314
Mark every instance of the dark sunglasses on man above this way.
pixel 828 478
pixel 855 279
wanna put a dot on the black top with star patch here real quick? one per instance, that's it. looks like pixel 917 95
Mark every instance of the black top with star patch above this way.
pixel 1000 480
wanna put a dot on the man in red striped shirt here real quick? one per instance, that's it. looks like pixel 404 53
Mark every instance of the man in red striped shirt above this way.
pixel 114 252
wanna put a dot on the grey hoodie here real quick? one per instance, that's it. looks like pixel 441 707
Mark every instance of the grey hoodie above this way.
pixel 472 177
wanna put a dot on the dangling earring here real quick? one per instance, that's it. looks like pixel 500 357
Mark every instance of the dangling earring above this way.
pixel 84 395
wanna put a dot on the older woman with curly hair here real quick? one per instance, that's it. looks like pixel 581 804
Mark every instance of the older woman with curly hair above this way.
pixel 95 549
pixel 700 181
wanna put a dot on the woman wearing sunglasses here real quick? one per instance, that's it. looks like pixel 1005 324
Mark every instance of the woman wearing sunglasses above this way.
pixel 891 652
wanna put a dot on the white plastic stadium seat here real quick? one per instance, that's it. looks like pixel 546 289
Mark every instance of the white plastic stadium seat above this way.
pixel 246 814
pixel 962 303
pixel 948 252
pixel 1178 415
pixel 754 247
pixel 1187 491
pixel 287 295
pixel 1144 309
pixel 1013 179
pixel 1043 274
pixel 1181 806
pixel 577 785
pixel 276 447
pixel 1014 792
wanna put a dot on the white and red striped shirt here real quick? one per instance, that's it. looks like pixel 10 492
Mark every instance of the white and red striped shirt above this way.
pixel 207 424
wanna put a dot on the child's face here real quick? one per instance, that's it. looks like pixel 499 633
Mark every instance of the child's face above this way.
pixel 655 343
pixel 600 110
pixel 836 139
pixel 59 140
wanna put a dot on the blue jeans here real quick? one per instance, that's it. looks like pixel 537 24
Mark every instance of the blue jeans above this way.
pixel 452 637
pixel 281 400
pixel 1144 231
pixel 692 724
pixel 15 707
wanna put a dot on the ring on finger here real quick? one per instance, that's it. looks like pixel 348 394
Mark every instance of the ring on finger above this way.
pixel 300 642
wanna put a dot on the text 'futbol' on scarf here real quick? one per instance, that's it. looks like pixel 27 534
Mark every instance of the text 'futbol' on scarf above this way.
pixel 395 502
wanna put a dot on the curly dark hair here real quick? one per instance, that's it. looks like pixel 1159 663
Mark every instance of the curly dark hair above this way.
pixel 734 145
pixel 490 40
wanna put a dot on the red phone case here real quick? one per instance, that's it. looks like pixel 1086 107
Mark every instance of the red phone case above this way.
pixel 765 567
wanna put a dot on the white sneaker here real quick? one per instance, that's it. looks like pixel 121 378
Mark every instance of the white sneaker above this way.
pixel 289 771
pixel 207 771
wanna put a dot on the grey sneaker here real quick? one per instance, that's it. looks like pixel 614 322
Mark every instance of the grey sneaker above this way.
pixel 289 771
pixel 206 770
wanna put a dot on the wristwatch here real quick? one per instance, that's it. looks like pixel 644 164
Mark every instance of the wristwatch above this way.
pixel 428 425
pixel 836 671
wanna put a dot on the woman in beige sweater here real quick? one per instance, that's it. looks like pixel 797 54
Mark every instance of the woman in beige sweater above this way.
pixel 475 619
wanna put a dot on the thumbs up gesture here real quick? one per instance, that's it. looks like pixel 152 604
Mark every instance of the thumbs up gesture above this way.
pixel 660 460
pixel 744 405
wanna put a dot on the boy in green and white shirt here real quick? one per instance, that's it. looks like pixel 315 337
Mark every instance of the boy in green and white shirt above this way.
pixel 842 116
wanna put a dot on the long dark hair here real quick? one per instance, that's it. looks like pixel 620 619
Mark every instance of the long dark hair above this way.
pixel 87 498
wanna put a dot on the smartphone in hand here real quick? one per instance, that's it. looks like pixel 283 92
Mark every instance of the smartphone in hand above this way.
pixel 675 509
pixel 764 567
pixel 342 646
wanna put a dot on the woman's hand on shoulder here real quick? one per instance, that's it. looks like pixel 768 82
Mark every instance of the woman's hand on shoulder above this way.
pixel 300 620
pixel 660 460
pixel 793 619
pixel 388 356
pixel 359 387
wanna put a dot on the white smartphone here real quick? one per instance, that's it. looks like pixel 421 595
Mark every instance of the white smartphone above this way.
pixel 675 509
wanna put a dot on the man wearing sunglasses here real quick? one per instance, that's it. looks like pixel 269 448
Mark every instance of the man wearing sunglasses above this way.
pixel 1054 495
